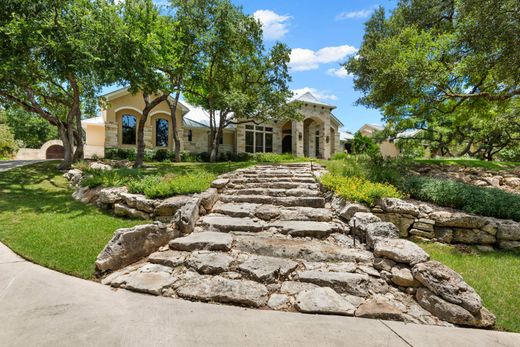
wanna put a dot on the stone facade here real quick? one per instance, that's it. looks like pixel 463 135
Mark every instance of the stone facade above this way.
pixel 315 135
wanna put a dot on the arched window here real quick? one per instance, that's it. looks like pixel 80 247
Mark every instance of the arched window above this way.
pixel 129 128
pixel 190 135
pixel 161 133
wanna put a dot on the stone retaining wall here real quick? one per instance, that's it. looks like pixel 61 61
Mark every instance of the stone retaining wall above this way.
pixel 427 222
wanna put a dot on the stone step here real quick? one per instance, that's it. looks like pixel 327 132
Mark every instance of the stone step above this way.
pixel 275 185
pixel 306 213
pixel 310 201
pixel 247 180
pixel 305 228
pixel 215 222
pixel 244 209
pixel 273 192
pixel 287 213
pixel 300 249
pixel 342 282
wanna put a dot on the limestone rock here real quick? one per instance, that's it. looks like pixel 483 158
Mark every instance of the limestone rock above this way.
pixel 170 206
pixel 453 313
pixel 236 210
pixel 86 195
pixel 350 209
pixel 401 251
pixel 380 230
pixel 381 307
pixel 448 284
pixel 150 278
pixel 267 212
pixel 204 240
pixel 267 269
pixel 362 219
pixel 323 300
pixel 472 236
pixel 227 224
pixel 509 245
pixel 278 301
pixel 220 183
pixel 111 195
pixel 73 176
pixel 444 235
pixel 125 211
pixel 402 222
pixel 293 287
pixel 223 290
pixel 384 264
pixel 186 217
pixel 207 262
pixel 99 166
pixel 131 244
pixel 168 258
pixel 457 220
pixel 508 230
pixel 343 282
pixel 394 205
pixel 305 228
pixel 403 277
pixel 208 198
pixel 306 213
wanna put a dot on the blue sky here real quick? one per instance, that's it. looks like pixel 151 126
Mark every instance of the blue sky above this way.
pixel 322 34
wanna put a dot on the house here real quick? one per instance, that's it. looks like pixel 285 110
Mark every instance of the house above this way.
pixel 387 148
pixel 316 135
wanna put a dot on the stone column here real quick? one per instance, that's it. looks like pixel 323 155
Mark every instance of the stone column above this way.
pixel 325 150
pixel 297 130
pixel 240 138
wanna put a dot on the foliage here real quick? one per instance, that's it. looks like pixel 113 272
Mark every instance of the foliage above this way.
pixel 41 221
pixel 447 67
pixel 359 189
pixel 29 129
pixel 55 56
pixel 8 145
pixel 353 165
pixel 486 271
pixel 155 186
pixel 387 170
pixel 511 153
pixel 339 156
pixel 490 202
pixel 470 162
pixel 118 153
pixel 363 144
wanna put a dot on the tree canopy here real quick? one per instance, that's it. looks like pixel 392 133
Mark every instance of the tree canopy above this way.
pixel 449 67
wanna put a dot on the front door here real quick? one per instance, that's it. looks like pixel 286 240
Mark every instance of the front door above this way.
pixel 287 144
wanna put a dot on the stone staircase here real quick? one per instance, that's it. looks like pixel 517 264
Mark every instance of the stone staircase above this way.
pixel 272 241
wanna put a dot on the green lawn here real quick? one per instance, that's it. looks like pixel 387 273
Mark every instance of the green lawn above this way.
pixel 40 221
pixel 494 275
pixel 489 165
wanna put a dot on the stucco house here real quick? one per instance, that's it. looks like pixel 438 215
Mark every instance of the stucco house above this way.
pixel 316 135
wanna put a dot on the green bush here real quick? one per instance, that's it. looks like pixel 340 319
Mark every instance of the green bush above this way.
pixel 155 186
pixel 109 178
pixel 120 153
pixel 8 145
pixel 363 144
pixel 359 189
pixel 489 202
pixel 339 156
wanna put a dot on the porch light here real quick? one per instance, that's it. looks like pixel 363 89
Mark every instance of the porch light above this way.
pixel 300 136
pixel 327 139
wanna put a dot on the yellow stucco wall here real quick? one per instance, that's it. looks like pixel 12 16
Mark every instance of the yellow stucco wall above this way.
pixel 95 135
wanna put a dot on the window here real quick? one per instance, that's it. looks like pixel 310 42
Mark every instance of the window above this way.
pixel 161 133
pixel 190 135
pixel 129 128
pixel 317 139
pixel 259 139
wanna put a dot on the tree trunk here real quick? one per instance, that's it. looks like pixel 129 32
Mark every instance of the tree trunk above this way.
pixel 76 117
pixel 214 148
pixel 67 139
pixel 176 139
pixel 139 156
pixel 79 153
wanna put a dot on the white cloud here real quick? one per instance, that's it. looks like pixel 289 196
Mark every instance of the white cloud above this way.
pixel 306 59
pixel 364 13
pixel 320 94
pixel 274 25
pixel 340 72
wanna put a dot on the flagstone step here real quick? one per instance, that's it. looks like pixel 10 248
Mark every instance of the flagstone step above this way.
pixel 282 213
pixel 273 192
pixel 310 201
pixel 262 179
pixel 274 184
pixel 305 228
pixel 215 222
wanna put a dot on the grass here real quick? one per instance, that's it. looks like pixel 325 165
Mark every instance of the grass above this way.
pixel 40 221
pixel 467 162
pixel 494 275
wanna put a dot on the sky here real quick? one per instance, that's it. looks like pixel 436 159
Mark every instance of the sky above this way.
pixel 322 34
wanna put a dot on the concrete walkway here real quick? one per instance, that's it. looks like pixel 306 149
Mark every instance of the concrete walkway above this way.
pixel 41 307
pixel 11 164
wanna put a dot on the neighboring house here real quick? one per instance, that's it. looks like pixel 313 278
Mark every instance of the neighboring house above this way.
pixel 345 139
pixel 387 148
pixel 316 135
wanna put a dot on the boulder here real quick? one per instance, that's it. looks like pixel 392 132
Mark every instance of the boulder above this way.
pixel 150 278
pixel 267 269
pixel 472 236
pixel 278 301
pixel 448 284
pixel 350 209
pixel 168 258
pixel 223 290
pixel 343 282
pixel 394 205
pixel 186 217
pixel 380 230
pixel 220 183
pixel 509 245
pixel 125 211
pixel 403 277
pixel 400 250
pixel 384 264
pixel 86 195
pixel 508 230
pixel 453 313
pixel 235 210
pixel 324 301
pixel 402 222
pixel 444 235
pixel 209 263
pixel 267 212
pixel 111 195
pixel 208 198
pixel 131 244
pixel 362 219
pixel 457 220
pixel 139 202
pixel 209 240
pixel 170 206
pixel 293 287
pixel 381 307
pixel 99 166
pixel 73 176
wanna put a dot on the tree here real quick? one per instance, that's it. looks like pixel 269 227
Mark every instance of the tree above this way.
pixel 8 144
pixel 55 56
pixel 448 67
pixel 363 144
pixel 29 129
pixel 235 79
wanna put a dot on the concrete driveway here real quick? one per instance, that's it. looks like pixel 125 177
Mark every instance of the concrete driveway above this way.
pixel 41 307
pixel 11 164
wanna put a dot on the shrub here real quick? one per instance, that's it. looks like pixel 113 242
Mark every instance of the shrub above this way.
pixel 109 178
pixel 363 144
pixel 339 156
pixel 161 155
pixel 8 145
pixel 155 186
pixel 120 153
pixel 359 189
pixel 490 202
pixel 386 170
